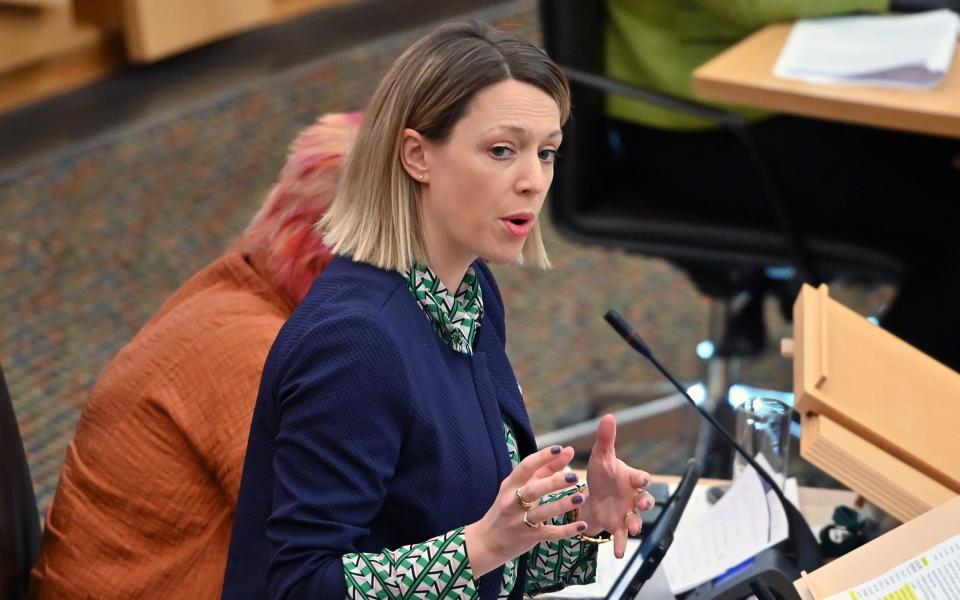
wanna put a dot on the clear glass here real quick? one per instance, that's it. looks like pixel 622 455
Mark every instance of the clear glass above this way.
pixel 763 427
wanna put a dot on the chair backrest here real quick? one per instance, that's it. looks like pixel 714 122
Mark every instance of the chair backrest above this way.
pixel 19 520
pixel 570 36
pixel 585 208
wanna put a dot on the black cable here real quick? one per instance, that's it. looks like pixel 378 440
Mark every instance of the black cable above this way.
pixel 761 590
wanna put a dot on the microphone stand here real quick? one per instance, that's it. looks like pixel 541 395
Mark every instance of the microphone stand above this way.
pixel 802 546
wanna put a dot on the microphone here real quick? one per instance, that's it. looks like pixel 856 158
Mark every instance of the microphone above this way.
pixel 804 546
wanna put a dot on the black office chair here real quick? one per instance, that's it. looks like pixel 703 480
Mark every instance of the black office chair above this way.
pixel 737 255
pixel 19 520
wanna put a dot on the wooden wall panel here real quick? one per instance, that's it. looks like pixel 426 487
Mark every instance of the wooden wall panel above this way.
pixel 155 29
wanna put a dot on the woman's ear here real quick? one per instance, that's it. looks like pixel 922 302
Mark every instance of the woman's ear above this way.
pixel 413 154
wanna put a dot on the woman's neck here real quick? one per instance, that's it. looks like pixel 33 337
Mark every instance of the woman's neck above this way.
pixel 445 261
pixel 450 274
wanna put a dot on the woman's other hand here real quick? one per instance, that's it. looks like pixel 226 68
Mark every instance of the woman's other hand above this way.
pixel 508 529
pixel 615 491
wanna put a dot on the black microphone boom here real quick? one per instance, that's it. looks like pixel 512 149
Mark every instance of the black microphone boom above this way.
pixel 636 342
pixel 805 548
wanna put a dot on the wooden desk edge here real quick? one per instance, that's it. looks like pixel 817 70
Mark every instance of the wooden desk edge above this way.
pixel 713 81
pixel 827 108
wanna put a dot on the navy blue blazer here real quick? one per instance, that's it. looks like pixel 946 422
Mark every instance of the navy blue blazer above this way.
pixel 369 433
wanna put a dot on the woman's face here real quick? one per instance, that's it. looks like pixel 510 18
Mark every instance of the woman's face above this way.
pixel 485 184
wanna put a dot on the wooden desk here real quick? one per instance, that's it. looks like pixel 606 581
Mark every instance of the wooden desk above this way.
pixel 743 75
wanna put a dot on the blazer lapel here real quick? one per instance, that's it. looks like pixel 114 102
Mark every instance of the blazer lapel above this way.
pixel 507 397
pixel 511 403
pixel 489 404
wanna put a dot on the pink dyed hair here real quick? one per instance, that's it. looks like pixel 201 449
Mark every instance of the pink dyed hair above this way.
pixel 281 241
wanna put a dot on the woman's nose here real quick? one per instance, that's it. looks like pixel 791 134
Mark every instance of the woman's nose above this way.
pixel 533 178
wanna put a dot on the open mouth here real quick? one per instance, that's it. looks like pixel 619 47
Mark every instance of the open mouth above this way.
pixel 518 225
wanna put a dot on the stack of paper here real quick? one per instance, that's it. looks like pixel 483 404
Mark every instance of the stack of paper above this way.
pixel 746 520
pixel 904 51
pixel 709 540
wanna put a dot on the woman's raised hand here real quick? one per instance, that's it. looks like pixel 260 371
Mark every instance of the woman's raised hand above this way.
pixel 615 490
pixel 516 522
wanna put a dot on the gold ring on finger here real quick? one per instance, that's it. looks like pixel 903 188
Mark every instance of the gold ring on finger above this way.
pixel 595 540
pixel 528 523
pixel 521 501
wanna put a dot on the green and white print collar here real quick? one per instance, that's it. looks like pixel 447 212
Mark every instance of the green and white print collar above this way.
pixel 455 317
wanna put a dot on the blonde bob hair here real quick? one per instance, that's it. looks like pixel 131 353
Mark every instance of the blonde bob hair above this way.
pixel 375 215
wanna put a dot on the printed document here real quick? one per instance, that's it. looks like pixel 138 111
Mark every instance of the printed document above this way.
pixel 901 51
pixel 709 540
pixel 932 575
pixel 747 519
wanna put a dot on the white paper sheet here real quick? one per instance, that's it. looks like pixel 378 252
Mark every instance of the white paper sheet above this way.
pixel 903 51
pixel 932 575
pixel 745 521
pixel 660 586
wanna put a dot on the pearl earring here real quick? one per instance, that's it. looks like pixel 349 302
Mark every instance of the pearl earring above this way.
pixel 421 178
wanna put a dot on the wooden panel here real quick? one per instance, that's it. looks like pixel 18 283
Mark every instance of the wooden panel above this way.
pixel 877 386
pixel 45 54
pixel 743 74
pixel 901 490
pixel 105 14
pixel 290 9
pixel 108 14
pixel 59 74
pixel 35 3
pixel 34 64
pixel 158 28
pixel 28 36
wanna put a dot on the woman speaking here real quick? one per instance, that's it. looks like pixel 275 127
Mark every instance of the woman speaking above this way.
pixel 390 454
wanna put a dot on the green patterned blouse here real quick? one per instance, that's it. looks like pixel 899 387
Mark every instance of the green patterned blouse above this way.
pixel 438 568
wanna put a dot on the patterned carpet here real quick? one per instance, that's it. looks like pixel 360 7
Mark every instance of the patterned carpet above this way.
pixel 97 236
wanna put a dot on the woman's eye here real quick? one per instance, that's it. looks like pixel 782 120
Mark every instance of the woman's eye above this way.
pixel 500 152
pixel 547 155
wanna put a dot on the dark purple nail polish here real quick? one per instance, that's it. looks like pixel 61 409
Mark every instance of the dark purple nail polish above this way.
pixel 555 450
pixel 648 505
pixel 577 499
pixel 582 527
pixel 571 477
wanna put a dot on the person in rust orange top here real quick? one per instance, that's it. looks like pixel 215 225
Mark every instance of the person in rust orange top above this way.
pixel 145 503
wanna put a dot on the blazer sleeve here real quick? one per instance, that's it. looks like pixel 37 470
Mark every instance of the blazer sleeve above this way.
pixel 344 403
